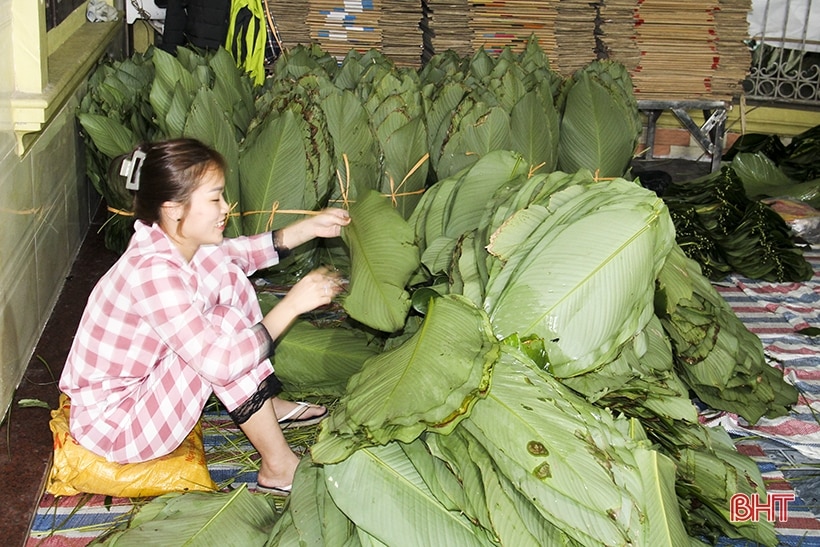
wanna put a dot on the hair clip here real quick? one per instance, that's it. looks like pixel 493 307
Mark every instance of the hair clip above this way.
pixel 130 169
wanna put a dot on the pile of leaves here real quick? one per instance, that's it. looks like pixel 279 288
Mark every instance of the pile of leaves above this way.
pixel 319 132
pixel 533 389
pixel 726 231
pixel 721 221
pixel 521 336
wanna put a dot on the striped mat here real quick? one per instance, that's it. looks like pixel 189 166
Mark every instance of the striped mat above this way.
pixel 787 450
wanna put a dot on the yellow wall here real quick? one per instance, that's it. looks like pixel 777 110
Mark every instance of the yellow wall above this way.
pixel 46 204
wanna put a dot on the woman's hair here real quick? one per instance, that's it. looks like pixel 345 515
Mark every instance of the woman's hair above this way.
pixel 169 171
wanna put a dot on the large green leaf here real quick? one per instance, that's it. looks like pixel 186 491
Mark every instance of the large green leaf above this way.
pixel 109 136
pixel 311 359
pixel 596 132
pixel 354 144
pixel 233 89
pixel 405 168
pixel 312 516
pixel 383 494
pixel 573 460
pixel 200 519
pixel 493 499
pixel 273 170
pixel 429 381
pixel 534 131
pixel 383 257
pixel 584 279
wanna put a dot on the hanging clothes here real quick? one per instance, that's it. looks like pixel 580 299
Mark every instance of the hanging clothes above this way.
pixel 247 37
pixel 199 23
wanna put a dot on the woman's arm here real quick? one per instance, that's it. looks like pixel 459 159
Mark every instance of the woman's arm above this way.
pixel 328 223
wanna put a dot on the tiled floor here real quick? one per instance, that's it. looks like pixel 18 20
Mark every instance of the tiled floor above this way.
pixel 25 439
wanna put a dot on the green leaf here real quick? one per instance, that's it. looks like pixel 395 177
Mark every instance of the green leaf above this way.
pixel 200 519
pixel 316 360
pixel 596 131
pixel 379 489
pixel 109 136
pixel 208 123
pixel 476 137
pixel 584 280
pixel 534 131
pixel 383 257
pixel 347 123
pixel 273 169
pixel 572 460
pixel 429 381
pixel 404 177
pixel 170 78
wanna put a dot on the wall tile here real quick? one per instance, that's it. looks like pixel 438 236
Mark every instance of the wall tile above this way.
pixel 52 256
pixel 17 213
pixel 20 323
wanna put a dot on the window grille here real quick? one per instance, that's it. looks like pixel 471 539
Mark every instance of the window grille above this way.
pixel 785 44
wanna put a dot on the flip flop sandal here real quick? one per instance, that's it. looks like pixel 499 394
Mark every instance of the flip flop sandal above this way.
pixel 275 490
pixel 292 419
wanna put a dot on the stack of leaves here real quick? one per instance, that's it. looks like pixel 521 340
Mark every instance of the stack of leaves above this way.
pixel 506 103
pixel 600 125
pixel 553 260
pixel 763 178
pixel 464 428
pixel 319 132
pixel 391 98
pixel 717 357
pixel 580 302
pixel 795 162
pixel 726 231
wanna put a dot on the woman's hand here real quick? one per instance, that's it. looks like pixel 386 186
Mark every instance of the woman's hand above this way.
pixel 327 223
pixel 316 289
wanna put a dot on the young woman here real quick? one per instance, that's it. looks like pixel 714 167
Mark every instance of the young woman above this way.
pixel 176 319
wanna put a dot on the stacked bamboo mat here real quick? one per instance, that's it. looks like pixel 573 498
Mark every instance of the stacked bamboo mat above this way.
pixel 391 26
pixel 494 25
pixel 445 26
pixel 696 52
pixel 673 50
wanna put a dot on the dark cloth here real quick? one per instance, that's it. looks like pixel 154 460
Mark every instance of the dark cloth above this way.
pixel 269 388
pixel 199 23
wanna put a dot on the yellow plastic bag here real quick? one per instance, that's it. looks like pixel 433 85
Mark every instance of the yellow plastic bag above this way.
pixel 76 469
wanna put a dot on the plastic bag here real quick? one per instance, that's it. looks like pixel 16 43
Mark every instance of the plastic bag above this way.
pixel 803 219
pixel 76 469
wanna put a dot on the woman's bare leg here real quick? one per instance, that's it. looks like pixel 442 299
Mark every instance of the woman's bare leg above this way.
pixel 278 462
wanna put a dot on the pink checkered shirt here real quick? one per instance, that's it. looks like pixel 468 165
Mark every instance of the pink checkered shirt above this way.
pixel 158 336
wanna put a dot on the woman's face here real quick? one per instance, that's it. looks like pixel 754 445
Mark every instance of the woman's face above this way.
pixel 204 222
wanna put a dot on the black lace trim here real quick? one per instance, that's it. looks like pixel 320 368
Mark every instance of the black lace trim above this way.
pixel 268 388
